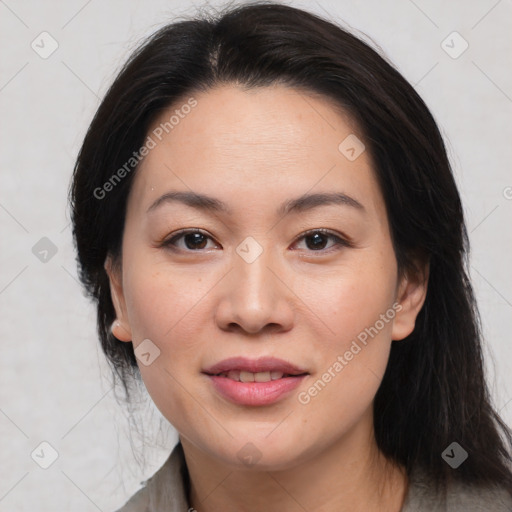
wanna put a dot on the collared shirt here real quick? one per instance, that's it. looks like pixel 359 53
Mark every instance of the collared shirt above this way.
pixel 167 490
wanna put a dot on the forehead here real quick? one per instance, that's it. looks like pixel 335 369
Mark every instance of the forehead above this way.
pixel 261 144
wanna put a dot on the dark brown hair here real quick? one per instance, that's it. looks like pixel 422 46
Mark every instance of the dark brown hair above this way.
pixel 434 391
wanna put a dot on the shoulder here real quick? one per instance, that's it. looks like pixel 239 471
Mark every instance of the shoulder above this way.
pixel 467 498
pixel 139 502
pixel 165 490
pixel 454 496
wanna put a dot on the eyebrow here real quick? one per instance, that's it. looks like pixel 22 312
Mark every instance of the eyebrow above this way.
pixel 299 204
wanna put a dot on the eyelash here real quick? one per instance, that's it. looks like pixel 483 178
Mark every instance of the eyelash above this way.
pixel 339 241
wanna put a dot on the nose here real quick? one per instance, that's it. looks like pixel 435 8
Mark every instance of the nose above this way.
pixel 255 297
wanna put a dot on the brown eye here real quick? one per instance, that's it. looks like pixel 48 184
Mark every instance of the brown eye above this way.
pixel 193 240
pixel 316 240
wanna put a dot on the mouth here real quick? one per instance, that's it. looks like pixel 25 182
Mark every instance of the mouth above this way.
pixel 262 369
pixel 245 376
pixel 254 382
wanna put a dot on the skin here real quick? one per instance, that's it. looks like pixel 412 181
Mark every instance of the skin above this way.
pixel 254 150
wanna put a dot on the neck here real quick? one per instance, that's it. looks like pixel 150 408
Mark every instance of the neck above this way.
pixel 350 475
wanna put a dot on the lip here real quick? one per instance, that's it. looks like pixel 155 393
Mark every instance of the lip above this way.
pixel 255 393
pixel 262 364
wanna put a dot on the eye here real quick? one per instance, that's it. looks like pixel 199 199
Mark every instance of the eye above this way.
pixel 194 240
pixel 316 240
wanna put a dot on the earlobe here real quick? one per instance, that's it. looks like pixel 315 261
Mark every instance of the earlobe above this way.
pixel 120 332
pixel 120 327
pixel 411 295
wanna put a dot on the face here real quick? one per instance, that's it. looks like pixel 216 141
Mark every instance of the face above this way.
pixel 305 295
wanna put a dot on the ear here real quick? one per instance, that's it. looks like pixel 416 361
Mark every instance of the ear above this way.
pixel 121 327
pixel 411 293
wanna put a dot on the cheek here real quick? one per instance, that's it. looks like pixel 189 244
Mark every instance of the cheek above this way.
pixel 164 307
pixel 352 299
pixel 358 307
pixel 171 307
pixel 160 300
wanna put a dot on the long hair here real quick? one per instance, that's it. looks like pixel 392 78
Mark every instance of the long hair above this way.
pixel 434 390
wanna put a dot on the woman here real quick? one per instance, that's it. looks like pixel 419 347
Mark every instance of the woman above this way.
pixel 265 215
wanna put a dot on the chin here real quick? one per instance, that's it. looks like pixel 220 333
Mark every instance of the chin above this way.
pixel 260 453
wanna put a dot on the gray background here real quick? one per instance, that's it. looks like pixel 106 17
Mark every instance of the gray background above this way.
pixel 54 383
